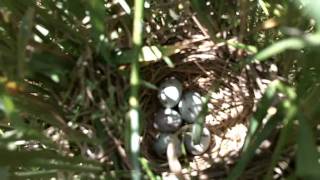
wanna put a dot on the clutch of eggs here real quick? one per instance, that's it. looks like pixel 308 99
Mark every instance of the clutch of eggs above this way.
pixel 190 106
pixel 197 149
pixel 169 93
pixel 167 120
pixel 161 144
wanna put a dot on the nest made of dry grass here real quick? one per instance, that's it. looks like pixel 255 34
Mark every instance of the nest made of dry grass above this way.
pixel 199 68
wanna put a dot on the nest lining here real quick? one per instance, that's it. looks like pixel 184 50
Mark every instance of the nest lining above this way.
pixel 229 107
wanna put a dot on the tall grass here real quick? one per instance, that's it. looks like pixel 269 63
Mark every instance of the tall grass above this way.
pixel 135 83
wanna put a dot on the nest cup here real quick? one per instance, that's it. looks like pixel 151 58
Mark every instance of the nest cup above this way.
pixel 209 69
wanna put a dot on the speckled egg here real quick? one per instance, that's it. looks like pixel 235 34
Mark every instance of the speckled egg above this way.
pixel 169 93
pixel 161 144
pixel 167 120
pixel 190 106
pixel 197 149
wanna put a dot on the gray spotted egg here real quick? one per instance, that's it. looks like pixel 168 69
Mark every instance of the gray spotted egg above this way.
pixel 190 106
pixel 161 144
pixel 167 120
pixel 169 93
pixel 197 149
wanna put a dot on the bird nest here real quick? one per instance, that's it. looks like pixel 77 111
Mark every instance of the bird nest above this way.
pixel 208 69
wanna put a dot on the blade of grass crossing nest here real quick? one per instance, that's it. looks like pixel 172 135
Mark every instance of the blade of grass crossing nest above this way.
pixel 149 85
pixel 234 43
pixel 197 128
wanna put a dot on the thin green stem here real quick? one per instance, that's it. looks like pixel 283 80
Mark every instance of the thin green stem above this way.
pixel 291 112
pixel 135 83
pixel 197 128
pixel 35 174
pixel 146 167
pixel 288 122
pixel 295 43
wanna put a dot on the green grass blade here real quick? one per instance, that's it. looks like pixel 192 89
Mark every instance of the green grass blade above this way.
pixel 46 159
pixel 254 144
pixel 291 112
pixel 134 112
pixel 308 156
pixel 197 128
pixel 294 43
pixel 35 174
pixel 10 109
pixel 261 112
pixel 97 14
pixel 146 167
pixel 312 7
